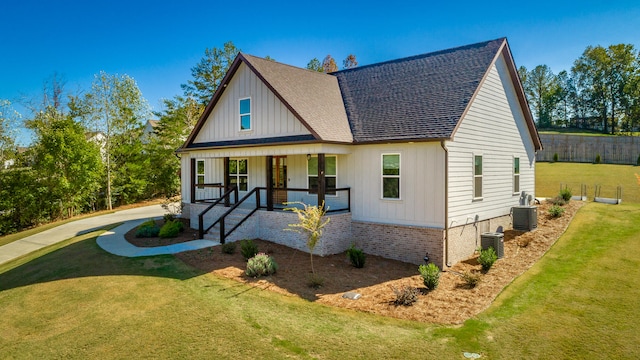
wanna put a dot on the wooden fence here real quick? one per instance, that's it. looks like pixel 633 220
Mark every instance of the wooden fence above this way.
pixel 585 149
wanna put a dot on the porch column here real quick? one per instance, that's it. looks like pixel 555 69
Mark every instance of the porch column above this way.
pixel 269 173
pixel 322 184
pixel 192 196
pixel 226 181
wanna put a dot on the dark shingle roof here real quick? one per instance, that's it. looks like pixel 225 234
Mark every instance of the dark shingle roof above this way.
pixel 419 97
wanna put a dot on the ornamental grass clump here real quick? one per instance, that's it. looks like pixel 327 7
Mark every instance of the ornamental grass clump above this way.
pixel 430 275
pixel 565 194
pixel 406 295
pixel 261 265
pixel 556 211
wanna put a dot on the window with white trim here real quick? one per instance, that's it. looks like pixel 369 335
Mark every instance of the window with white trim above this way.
pixel 330 174
pixel 516 175
pixel 477 176
pixel 200 172
pixel 239 173
pixel 391 176
pixel 245 114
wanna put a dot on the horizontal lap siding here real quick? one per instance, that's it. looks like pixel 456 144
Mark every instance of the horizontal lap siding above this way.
pixel 421 184
pixel 269 116
pixel 494 127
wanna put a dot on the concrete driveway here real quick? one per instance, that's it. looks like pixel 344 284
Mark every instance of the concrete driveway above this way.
pixel 34 242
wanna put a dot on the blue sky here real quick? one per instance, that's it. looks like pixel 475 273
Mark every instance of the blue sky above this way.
pixel 157 42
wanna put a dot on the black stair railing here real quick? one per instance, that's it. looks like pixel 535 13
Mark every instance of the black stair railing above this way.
pixel 226 195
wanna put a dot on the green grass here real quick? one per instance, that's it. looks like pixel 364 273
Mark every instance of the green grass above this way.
pixel 77 301
pixel 549 177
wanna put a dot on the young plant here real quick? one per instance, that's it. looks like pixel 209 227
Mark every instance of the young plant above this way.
pixel 406 295
pixel 487 258
pixel 598 159
pixel 248 249
pixel 565 194
pixel 315 281
pixel 310 223
pixel 229 248
pixel 471 279
pixel 356 256
pixel 147 229
pixel 170 229
pixel 430 275
pixel 261 265
pixel 556 211
pixel 555 157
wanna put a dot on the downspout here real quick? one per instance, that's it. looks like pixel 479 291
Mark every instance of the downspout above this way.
pixel 446 203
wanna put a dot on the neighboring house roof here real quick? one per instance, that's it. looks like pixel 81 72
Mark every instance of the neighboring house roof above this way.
pixel 153 123
pixel 419 98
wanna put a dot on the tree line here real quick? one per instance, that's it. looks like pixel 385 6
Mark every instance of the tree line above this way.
pixel 601 91
pixel 90 150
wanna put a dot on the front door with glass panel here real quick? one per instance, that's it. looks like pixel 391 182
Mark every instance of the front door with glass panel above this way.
pixel 238 174
pixel 279 180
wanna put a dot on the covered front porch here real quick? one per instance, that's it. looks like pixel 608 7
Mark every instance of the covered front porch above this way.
pixel 226 188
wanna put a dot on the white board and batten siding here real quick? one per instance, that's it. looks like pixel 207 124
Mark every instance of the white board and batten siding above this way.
pixel 269 116
pixel 421 200
pixel 495 128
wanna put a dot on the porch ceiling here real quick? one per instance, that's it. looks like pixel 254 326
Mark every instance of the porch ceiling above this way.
pixel 281 150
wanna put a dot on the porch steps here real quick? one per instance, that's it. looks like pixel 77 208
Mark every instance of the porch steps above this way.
pixel 230 222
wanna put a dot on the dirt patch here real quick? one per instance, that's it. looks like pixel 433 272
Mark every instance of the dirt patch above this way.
pixel 451 303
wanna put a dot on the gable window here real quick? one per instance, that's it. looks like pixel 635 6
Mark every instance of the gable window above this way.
pixel 391 176
pixel 516 175
pixel 330 174
pixel 238 174
pixel 245 114
pixel 200 172
pixel 477 176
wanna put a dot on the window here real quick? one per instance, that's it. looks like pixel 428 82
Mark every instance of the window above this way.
pixel 330 174
pixel 200 172
pixel 516 175
pixel 477 176
pixel 391 176
pixel 238 174
pixel 245 114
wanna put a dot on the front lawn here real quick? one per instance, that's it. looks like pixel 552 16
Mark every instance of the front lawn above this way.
pixel 579 301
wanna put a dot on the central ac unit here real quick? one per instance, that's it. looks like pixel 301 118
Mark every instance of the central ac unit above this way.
pixel 525 218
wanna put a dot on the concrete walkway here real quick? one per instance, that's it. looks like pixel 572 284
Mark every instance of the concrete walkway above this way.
pixel 112 241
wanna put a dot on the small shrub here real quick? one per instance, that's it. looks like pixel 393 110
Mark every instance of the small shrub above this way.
pixel 229 248
pixel 556 211
pixel 558 200
pixel 356 256
pixel 638 161
pixel 430 275
pixel 598 159
pixel 487 258
pixel 171 229
pixel 261 265
pixel 470 279
pixel 168 217
pixel 555 157
pixel 565 194
pixel 315 281
pixel 147 229
pixel 248 249
pixel 406 295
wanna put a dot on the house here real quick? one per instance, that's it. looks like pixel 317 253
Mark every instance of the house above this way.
pixel 149 131
pixel 100 139
pixel 413 157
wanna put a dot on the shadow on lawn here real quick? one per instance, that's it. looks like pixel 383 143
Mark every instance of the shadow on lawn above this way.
pixel 85 258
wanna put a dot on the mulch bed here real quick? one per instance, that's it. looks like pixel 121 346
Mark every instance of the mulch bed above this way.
pixel 452 302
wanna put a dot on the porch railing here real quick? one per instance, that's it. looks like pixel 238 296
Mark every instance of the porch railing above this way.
pixel 256 193
pixel 218 186
pixel 226 196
